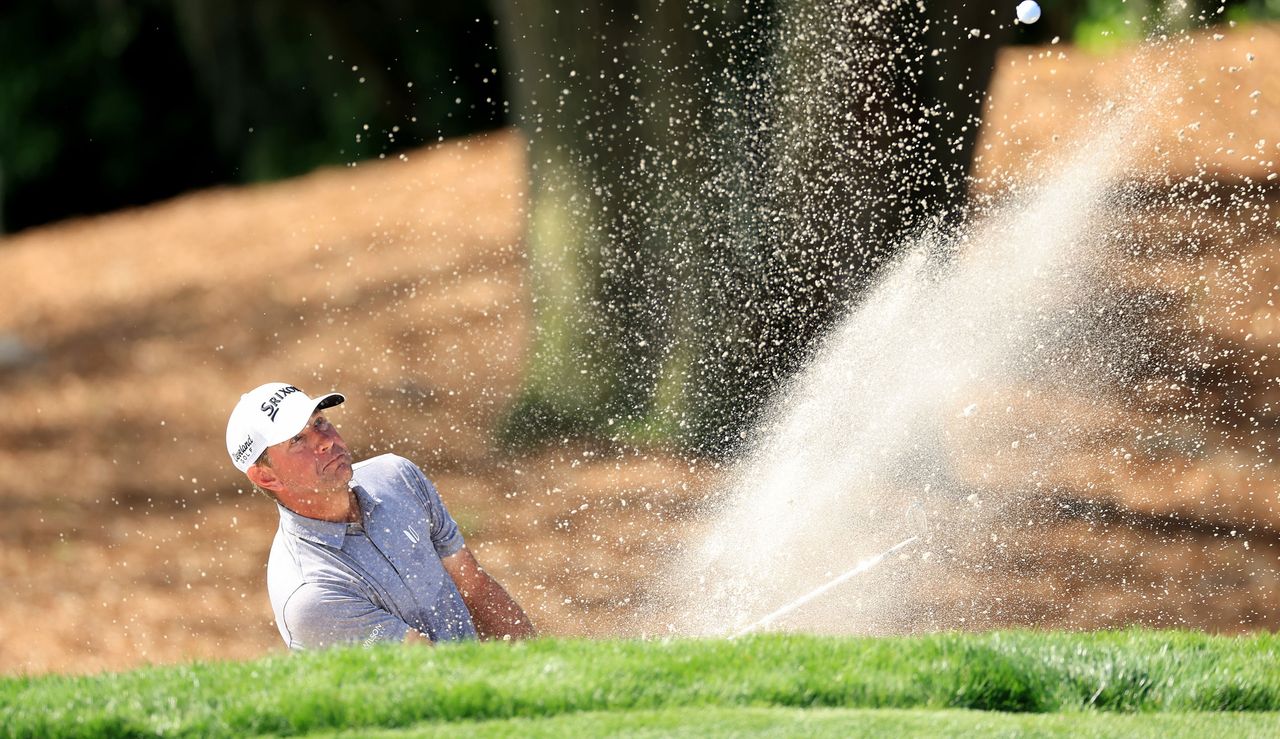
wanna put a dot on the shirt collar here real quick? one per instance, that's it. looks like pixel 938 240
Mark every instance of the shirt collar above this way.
pixel 328 533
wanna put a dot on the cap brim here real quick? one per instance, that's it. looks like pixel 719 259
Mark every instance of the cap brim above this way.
pixel 329 401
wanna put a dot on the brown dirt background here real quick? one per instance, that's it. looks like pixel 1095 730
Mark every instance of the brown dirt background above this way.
pixel 129 539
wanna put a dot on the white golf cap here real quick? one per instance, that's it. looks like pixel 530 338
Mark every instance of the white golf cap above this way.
pixel 268 415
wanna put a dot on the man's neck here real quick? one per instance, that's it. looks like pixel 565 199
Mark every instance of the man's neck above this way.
pixel 337 506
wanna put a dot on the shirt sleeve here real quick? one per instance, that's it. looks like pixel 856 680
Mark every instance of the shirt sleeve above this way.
pixel 318 616
pixel 445 536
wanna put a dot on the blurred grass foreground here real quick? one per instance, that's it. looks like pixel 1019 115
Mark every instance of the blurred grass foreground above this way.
pixel 1133 682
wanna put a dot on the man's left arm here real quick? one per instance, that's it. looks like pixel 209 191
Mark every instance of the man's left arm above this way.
pixel 495 613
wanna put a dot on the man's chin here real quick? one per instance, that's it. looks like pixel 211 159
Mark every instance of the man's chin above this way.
pixel 339 469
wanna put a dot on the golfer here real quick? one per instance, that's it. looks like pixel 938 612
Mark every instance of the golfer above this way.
pixel 365 552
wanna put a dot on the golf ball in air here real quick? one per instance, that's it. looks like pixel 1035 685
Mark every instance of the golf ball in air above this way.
pixel 1028 11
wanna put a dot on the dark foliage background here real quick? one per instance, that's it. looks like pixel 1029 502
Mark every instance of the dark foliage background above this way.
pixel 108 104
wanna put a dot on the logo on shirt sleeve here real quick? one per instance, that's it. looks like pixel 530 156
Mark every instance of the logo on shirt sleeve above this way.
pixel 412 534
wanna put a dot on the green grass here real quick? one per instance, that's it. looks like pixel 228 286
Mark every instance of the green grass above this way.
pixel 1108 683
pixel 847 723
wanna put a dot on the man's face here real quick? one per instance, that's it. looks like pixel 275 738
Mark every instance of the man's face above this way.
pixel 316 460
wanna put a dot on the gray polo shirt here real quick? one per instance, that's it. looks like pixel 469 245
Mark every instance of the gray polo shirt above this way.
pixel 333 583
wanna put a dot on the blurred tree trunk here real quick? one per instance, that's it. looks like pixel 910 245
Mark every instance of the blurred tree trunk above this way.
pixel 712 183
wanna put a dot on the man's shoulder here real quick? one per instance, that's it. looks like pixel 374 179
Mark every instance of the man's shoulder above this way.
pixel 386 469
pixel 383 464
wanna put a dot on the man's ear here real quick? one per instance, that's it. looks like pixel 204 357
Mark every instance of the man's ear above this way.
pixel 264 477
